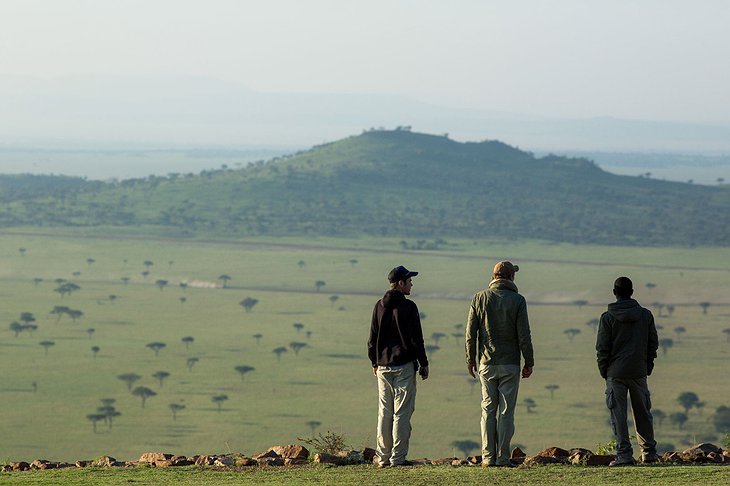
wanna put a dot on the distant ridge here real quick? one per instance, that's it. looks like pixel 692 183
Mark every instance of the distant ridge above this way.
pixel 391 183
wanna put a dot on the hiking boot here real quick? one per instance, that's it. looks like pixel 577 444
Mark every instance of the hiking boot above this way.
pixel 486 464
pixel 622 461
pixel 650 458
pixel 382 465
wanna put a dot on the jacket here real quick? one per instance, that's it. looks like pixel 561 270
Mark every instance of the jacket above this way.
pixel 396 337
pixel 627 341
pixel 497 328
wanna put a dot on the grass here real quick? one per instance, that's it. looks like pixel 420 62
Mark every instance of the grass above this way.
pixel 569 475
pixel 330 380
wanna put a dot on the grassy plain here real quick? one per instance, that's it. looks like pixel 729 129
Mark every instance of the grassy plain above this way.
pixel 330 380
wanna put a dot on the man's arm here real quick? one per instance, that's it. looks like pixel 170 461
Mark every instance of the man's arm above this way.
pixel 524 338
pixel 653 345
pixel 417 337
pixel 472 337
pixel 373 339
pixel 603 345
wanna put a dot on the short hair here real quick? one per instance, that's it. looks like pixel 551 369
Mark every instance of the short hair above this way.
pixel 623 287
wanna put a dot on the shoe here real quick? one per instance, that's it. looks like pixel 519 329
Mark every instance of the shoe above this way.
pixel 382 465
pixel 403 464
pixel 509 464
pixel 486 464
pixel 622 462
pixel 650 458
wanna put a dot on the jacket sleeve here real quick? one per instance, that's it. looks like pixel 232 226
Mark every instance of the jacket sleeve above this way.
pixel 373 339
pixel 653 345
pixel 524 338
pixel 603 345
pixel 417 338
pixel 472 332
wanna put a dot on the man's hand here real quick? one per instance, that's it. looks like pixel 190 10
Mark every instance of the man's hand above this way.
pixel 526 371
pixel 375 371
pixel 472 367
pixel 423 371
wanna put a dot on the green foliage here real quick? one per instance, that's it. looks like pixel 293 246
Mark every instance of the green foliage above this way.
pixel 329 443
pixel 606 448
pixel 393 183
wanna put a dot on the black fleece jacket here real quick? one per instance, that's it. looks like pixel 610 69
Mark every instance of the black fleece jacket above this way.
pixel 396 337
pixel 627 341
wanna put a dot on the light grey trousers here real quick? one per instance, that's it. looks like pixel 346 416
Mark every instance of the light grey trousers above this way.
pixel 638 390
pixel 396 402
pixel 500 384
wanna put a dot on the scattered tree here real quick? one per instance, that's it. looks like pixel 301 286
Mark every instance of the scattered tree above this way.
pixel 688 400
pixel 130 379
pixel 218 400
pixel 679 330
pixel 298 326
pixel 726 331
pixel 191 362
pixel 678 419
pixel 144 393
pixel 27 317
pixel 297 346
pixel 437 336
pixel 160 376
pixel 175 408
pixel 37 280
pixel 571 333
pixel 224 278
pixel 721 419
pixel 650 286
pixel 422 316
pixel 125 280
pixel 243 370
pixel 156 347
pixel 161 284
pixel 112 298
pixel 705 306
pixel 89 261
pixel 551 389
pixel 431 348
pixel 279 351
pixel 659 416
pixel 593 324
pixel 75 314
pixel 66 289
pixel 353 262
pixel 670 309
pixel 145 274
pixel 17 327
pixel 95 350
pixel 333 299
pixel 147 264
pixel 308 334
pixel 46 345
pixel 700 406
pixel 22 251
pixel 465 446
pixel 248 303
pixel 183 300
pixel 258 337
pixel 90 331
pixel 301 263
pixel 530 404
pixel 183 286
pixel 580 303
pixel 94 418
pixel 319 284
pixel 109 413
pixel 665 344
pixel 313 424
pixel 188 340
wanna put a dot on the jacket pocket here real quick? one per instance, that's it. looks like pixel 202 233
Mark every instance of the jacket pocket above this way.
pixel 610 400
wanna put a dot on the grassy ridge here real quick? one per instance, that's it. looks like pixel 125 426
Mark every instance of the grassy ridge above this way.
pixel 395 183
pixel 330 380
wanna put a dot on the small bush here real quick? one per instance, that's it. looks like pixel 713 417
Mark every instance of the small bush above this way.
pixel 329 443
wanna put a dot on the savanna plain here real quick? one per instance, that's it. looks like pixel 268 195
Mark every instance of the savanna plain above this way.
pixel 278 327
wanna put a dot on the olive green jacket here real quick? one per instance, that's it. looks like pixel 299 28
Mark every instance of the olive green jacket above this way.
pixel 497 329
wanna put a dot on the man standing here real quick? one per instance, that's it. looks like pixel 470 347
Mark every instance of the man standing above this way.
pixel 395 349
pixel 626 348
pixel 497 331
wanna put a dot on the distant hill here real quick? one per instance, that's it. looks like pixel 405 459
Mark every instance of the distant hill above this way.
pixel 394 183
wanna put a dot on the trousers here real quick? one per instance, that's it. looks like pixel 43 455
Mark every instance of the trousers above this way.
pixel 500 384
pixel 616 401
pixel 396 403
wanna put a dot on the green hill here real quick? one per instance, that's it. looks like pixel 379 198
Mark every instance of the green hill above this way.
pixel 395 183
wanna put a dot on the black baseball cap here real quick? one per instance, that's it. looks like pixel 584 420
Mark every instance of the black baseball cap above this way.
pixel 400 273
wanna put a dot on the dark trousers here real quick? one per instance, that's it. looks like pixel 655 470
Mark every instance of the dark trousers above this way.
pixel 638 391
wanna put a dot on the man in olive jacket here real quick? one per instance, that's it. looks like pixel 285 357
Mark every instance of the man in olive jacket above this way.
pixel 626 347
pixel 497 331
pixel 396 349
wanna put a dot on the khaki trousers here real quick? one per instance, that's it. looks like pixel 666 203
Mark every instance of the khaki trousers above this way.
pixel 500 384
pixel 396 402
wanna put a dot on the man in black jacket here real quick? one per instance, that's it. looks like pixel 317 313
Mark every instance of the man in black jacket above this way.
pixel 396 349
pixel 626 348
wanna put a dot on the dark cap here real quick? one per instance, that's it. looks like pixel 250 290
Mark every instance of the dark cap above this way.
pixel 400 273
pixel 505 269
pixel 623 284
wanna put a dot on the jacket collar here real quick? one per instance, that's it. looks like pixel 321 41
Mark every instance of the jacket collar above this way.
pixel 503 283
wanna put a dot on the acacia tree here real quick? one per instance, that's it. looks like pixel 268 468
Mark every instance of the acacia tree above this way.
pixel 175 408
pixel 89 261
pixel 144 393
pixel 125 280
pixel 188 340
pixel 130 379
pixel 530 404
pixel 95 350
pixel 46 345
pixel 75 314
pixel 161 284
pixel 248 303
pixel 659 416
pixel 665 344
pixel 224 278
pixel 297 346
pixel 147 264
pixel 679 330
pixel 66 289
pixel 160 376
pixel 17 327
pixel 726 331
pixel 313 424
pixel 437 336
pixel 279 351
pixel 580 303
pixel 156 347
pixel 109 413
pixel 678 419
pixel 721 419
pixel 301 264
pixel 243 370
pixel 191 362
pixel 27 317
pixel 37 280
pixel 465 446
pixel 258 337
pixel 333 299
pixel 593 324
pixel 705 306
pixel 298 326
pixel 551 389
pixel 218 400
pixel 571 333
pixel 353 262
pixel 688 400
pixel 319 284
pixel 94 418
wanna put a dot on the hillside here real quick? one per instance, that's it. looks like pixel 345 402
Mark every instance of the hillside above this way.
pixel 394 183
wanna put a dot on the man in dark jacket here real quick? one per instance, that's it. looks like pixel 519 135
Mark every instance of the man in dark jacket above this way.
pixel 626 348
pixel 395 349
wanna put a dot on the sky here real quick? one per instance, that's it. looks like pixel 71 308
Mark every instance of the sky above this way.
pixel 650 59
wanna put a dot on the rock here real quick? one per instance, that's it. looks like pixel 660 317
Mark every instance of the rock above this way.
pixel 444 461
pixel 350 457
pixel 474 459
pixel 554 452
pixel 244 461
pixel 704 448
pixel 20 466
pixel 203 460
pixel 104 461
pixel 422 461
pixel 269 453
pixel 163 463
pixel 518 460
pixel 271 461
pixel 517 452
pixel 291 452
pixel 43 464
pixel 579 456
pixel 600 459
pixel 672 457
pixel 152 457
pixel 7 468
pixel 224 461
pixel 537 460
pixel 64 465
pixel 181 461
pixel 368 454
pixel 83 463
pixel 459 462
pixel 322 458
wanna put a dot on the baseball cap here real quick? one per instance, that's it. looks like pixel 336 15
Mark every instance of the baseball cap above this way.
pixel 400 273
pixel 505 269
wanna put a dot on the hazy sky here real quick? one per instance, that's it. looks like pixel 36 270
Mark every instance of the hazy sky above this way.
pixel 646 59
